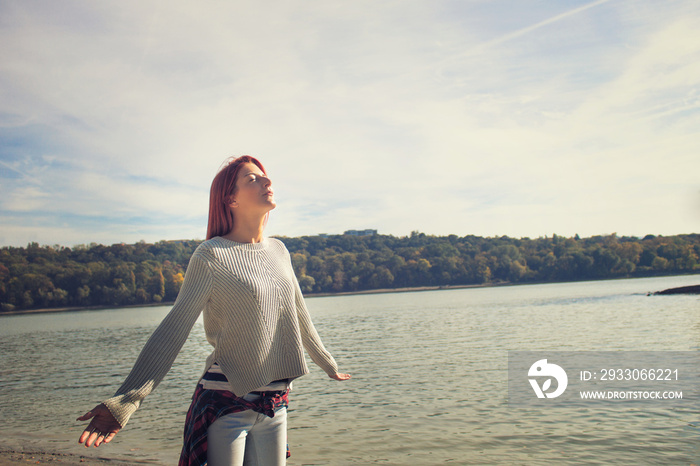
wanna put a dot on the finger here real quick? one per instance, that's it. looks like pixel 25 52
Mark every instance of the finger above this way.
pixel 86 416
pixel 100 439
pixel 110 436
pixel 84 436
pixel 91 439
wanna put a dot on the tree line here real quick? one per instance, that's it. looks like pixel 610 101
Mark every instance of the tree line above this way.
pixel 121 274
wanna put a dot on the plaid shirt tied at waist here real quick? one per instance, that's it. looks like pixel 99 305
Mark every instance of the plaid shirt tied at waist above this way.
pixel 209 405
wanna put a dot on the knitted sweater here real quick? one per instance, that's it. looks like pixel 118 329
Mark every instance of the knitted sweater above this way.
pixel 254 317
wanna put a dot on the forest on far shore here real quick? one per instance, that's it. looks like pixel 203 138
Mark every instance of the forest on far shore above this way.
pixel 37 276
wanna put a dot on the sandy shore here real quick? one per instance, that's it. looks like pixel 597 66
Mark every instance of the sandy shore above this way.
pixel 8 457
pixel 11 457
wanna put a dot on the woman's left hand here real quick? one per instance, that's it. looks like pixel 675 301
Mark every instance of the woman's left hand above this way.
pixel 339 376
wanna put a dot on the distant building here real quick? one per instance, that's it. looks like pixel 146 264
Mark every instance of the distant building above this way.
pixel 360 232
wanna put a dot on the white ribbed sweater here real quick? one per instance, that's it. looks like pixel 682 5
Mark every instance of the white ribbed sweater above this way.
pixel 254 317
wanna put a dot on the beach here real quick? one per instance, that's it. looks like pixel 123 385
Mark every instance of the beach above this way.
pixel 30 449
pixel 11 457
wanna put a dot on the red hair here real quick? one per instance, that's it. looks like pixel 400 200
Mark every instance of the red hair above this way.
pixel 220 196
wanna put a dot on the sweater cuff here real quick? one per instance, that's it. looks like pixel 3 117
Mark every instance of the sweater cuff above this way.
pixel 121 408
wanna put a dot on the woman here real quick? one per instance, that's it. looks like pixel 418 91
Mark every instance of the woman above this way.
pixel 254 317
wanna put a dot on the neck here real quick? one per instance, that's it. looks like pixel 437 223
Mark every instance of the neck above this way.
pixel 247 230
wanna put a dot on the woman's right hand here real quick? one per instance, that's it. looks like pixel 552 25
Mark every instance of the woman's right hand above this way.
pixel 101 429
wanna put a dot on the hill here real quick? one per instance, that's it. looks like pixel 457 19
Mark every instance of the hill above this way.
pixel 138 274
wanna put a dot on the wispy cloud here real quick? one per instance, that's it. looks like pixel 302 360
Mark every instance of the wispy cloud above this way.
pixel 11 169
pixel 510 36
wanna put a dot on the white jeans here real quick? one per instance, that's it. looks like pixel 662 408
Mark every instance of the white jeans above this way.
pixel 248 438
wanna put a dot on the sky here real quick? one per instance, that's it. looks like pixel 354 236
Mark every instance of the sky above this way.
pixel 523 118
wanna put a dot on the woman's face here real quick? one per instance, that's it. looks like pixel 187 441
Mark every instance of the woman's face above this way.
pixel 253 190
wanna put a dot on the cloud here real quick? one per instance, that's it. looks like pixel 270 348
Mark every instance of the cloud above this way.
pixel 447 117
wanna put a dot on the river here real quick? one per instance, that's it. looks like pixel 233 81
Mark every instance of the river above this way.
pixel 429 386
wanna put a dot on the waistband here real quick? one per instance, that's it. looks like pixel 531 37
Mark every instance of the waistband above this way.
pixel 215 379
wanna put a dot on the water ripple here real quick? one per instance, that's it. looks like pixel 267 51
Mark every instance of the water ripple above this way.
pixel 429 380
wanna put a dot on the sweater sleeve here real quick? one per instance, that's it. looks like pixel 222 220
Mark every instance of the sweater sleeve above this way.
pixel 161 349
pixel 309 336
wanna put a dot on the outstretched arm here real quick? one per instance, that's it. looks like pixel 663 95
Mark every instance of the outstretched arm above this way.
pixel 155 359
pixel 311 340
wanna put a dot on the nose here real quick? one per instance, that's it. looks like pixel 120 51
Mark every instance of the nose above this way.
pixel 267 182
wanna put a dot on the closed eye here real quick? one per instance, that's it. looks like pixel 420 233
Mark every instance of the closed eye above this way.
pixel 253 177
